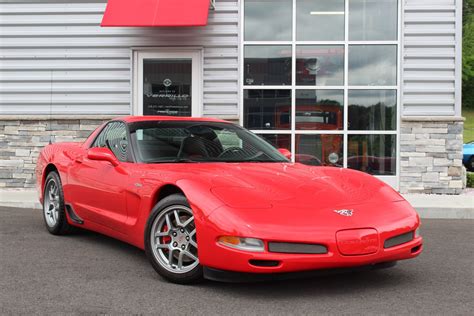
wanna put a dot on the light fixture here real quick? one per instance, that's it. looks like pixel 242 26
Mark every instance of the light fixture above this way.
pixel 333 158
pixel 242 243
pixel 327 12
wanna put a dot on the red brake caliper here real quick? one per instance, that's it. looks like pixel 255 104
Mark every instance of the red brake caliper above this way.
pixel 166 239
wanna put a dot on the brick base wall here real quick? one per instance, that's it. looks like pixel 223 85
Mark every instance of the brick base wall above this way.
pixel 22 140
pixel 431 155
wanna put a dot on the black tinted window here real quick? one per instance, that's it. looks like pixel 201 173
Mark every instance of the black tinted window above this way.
pixel 114 137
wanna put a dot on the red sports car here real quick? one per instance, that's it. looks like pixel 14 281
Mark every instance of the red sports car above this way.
pixel 207 198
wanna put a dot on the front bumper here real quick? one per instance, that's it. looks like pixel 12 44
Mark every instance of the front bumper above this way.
pixel 399 218
pixel 228 259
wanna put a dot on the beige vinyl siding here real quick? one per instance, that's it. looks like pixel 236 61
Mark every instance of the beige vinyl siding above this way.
pixel 55 56
pixel 430 57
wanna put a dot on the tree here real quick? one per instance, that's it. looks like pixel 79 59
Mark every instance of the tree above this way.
pixel 468 54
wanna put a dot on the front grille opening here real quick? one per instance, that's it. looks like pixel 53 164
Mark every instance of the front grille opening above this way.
pixel 415 249
pixel 398 240
pixel 289 247
pixel 264 263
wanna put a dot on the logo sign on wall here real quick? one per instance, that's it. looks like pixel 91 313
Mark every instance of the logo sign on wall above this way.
pixel 167 82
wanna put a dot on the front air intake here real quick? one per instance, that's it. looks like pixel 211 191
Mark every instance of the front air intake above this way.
pixel 287 247
pixel 398 240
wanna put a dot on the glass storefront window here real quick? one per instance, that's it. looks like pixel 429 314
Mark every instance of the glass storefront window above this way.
pixel 267 65
pixel 373 20
pixel 320 20
pixel 330 96
pixel 268 20
pixel 374 154
pixel 325 150
pixel 320 65
pixel 278 140
pixel 319 109
pixel 373 110
pixel 267 109
pixel 373 65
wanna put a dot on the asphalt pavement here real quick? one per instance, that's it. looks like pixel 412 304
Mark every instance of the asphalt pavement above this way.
pixel 90 274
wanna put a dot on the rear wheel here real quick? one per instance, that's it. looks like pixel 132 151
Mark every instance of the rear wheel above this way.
pixel 170 241
pixel 54 213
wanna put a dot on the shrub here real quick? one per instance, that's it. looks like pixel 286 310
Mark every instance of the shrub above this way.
pixel 470 180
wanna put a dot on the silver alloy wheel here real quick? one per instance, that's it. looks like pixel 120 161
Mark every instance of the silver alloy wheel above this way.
pixel 51 203
pixel 173 239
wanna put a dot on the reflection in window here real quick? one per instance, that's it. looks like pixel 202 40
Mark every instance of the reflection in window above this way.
pixel 267 65
pixel 319 65
pixel 320 20
pixel 167 87
pixel 319 109
pixel 374 154
pixel 372 110
pixel 268 20
pixel 278 140
pixel 326 149
pixel 373 65
pixel 267 109
pixel 372 20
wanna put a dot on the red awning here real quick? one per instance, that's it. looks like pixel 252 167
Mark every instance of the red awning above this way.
pixel 156 13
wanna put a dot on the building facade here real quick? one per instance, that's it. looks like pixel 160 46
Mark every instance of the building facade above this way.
pixel 373 85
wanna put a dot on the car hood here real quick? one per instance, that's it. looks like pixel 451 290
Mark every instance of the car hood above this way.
pixel 263 185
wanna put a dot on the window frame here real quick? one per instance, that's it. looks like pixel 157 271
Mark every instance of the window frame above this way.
pixel 392 180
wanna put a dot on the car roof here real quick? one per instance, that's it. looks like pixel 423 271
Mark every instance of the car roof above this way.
pixel 132 119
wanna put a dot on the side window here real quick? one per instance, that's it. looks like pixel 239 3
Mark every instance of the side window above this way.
pixel 114 137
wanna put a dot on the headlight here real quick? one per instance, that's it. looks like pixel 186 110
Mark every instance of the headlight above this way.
pixel 242 243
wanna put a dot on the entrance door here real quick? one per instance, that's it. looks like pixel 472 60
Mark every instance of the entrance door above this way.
pixel 168 82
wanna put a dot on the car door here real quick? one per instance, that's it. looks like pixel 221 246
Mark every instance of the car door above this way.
pixel 98 187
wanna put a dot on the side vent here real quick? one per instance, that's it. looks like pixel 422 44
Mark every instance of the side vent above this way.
pixel 73 216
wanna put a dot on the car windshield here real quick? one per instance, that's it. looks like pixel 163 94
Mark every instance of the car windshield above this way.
pixel 193 141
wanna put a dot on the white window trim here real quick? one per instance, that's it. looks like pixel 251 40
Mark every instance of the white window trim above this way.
pixel 391 180
pixel 195 53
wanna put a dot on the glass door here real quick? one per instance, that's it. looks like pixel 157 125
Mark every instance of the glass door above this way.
pixel 167 82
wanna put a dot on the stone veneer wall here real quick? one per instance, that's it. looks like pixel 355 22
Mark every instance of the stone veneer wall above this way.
pixel 431 155
pixel 430 149
pixel 21 140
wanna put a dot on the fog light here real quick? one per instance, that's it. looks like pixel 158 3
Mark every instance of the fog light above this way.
pixel 242 243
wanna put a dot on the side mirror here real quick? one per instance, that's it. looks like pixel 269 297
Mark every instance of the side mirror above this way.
pixel 285 152
pixel 102 154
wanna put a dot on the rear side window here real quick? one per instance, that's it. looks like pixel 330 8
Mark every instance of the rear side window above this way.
pixel 114 137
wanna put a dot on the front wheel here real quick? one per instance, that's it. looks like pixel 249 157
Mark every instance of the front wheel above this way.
pixel 170 241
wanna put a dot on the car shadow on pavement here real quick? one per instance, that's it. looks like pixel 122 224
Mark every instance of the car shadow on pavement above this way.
pixel 349 283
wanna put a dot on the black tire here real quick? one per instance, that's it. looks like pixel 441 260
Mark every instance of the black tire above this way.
pixel 470 164
pixel 59 226
pixel 193 276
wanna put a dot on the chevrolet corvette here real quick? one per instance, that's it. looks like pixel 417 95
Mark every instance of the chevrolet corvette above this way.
pixel 206 198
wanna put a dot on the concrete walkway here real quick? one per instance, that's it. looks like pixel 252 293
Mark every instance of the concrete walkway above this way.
pixel 427 205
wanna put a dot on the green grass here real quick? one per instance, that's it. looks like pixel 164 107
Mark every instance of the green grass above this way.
pixel 468 125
